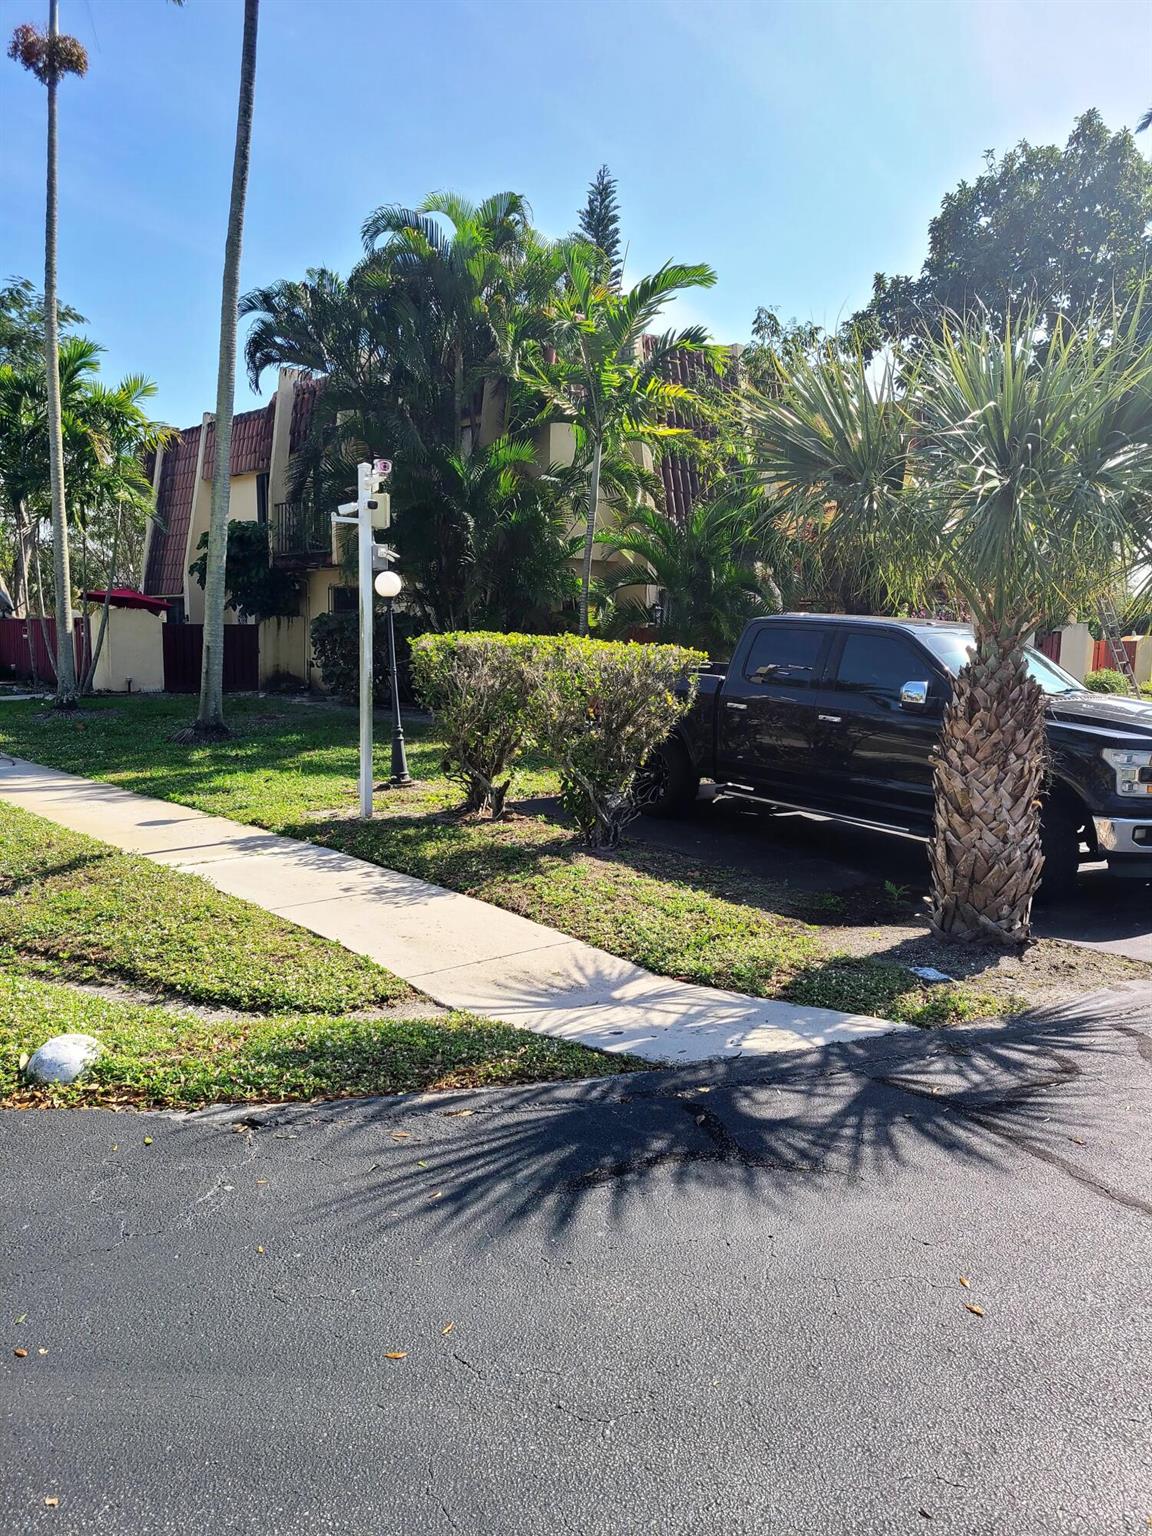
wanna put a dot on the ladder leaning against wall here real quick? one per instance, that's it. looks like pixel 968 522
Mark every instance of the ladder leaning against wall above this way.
pixel 1110 624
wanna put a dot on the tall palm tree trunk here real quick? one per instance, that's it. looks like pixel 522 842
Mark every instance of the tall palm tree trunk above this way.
pixel 590 535
pixel 985 853
pixel 62 575
pixel 210 717
pixel 22 535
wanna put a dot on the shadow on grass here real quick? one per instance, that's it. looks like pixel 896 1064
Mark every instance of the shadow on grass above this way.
pixel 767 1135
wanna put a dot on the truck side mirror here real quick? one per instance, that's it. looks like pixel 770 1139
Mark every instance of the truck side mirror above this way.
pixel 914 697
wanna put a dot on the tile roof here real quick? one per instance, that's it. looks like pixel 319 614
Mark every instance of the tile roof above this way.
pixel 165 574
pixel 682 483
pixel 304 398
pixel 251 443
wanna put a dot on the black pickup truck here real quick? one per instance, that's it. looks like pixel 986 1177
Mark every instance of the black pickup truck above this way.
pixel 839 715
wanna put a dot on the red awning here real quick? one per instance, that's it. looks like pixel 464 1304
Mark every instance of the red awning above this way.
pixel 127 597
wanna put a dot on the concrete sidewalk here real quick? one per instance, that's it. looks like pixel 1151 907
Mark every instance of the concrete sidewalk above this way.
pixel 463 953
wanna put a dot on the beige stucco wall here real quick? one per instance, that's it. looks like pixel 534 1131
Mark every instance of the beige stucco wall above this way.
pixel 1143 666
pixel 133 655
pixel 241 508
pixel 1076 645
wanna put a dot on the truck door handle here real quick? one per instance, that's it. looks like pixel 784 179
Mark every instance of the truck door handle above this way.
pixel 731 704
pixel 831 719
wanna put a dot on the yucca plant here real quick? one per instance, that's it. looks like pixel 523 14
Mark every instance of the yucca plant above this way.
pixel 1011 471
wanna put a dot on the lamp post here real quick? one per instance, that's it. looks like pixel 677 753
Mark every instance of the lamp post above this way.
pixel 389 586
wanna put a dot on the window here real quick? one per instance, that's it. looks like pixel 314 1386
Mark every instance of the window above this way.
pixel 880 663
pixel 262 499
pixel 785 655
pixel 343 600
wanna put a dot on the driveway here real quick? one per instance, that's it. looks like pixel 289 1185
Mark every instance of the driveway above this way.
pixel 726 1300
pixel 815 854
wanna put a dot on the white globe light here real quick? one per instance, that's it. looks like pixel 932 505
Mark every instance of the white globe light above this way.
pixel 388 584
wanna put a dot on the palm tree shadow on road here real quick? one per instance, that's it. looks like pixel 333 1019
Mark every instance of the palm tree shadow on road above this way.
pixel 764 1134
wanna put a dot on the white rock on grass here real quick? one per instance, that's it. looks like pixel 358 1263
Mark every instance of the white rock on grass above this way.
pixel 62 1059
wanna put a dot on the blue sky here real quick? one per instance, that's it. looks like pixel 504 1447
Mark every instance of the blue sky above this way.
pixel 796 145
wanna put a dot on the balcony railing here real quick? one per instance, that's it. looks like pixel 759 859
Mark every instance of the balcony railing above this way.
pixel 300 533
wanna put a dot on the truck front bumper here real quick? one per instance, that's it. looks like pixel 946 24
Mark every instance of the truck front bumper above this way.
pixel 1126 844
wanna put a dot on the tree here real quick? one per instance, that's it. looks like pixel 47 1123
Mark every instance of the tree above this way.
pixel 210 716
pixel 1057 230
pixel 25 475
pixel 602 381
pixel 599 226
pixel 50 58
pixel 1011 470
pixel 484 542
pixel 711 569
pixel 475 296
pixel 22 321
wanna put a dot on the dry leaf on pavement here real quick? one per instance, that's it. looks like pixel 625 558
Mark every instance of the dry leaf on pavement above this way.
pixel 973 1308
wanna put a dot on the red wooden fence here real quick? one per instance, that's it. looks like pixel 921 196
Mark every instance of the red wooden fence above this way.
pixel 1102 655
pixel 28 648
pixel 183 652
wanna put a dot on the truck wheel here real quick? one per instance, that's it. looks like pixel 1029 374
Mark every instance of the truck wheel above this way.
pixel 1060 837
pixel 667 784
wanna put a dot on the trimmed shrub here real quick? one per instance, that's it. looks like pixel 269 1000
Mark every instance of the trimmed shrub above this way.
pixel 599 709
pixel 478 686
pixel 1105 680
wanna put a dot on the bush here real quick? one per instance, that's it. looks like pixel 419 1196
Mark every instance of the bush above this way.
pixel 336 651
pixel 479 687
pixel 598 709
pixel 1105 680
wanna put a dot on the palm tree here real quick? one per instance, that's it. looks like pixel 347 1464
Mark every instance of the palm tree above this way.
pixel 1011 472
pixel 602 381
pixel 485 539
pixel 50 58
pixel 475 295
pixel 712 569
pixel 210 716
pixel 25 477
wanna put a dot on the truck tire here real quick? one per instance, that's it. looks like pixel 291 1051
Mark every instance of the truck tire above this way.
pixel 1060 825
pixel 668 784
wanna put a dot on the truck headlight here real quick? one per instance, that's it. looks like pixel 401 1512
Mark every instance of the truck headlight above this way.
pixel 1133 770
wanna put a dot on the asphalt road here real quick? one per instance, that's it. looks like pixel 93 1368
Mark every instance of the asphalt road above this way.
pixel 727 1300
pixel 815 854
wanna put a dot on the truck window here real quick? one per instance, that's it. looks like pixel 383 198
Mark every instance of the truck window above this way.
pixel 785 655
pixel 879 663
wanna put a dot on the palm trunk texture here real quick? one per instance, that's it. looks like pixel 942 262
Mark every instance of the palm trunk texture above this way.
pixel 989 769
pixel 65 654
pixel 590 536
pixel 210 717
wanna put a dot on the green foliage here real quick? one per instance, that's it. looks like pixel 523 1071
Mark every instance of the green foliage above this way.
pixel 1057 230
pixel 22 322
pixel 161 1057
pixel 1008 470
pixel 712 569
pixel 479 686
pixel 484 541
pixel 599 225
pixel 891 992
pixel 256 588
pixel 598 710
pixel 336 651
pixel 72 907
pixel 598 373
pixel 1106 680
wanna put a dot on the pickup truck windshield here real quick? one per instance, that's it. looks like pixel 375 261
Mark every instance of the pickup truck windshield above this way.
pixel 952 647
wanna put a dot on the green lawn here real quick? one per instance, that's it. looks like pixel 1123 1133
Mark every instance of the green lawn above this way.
pixel 292 767
pixel 176 1057
pixel 251 1006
